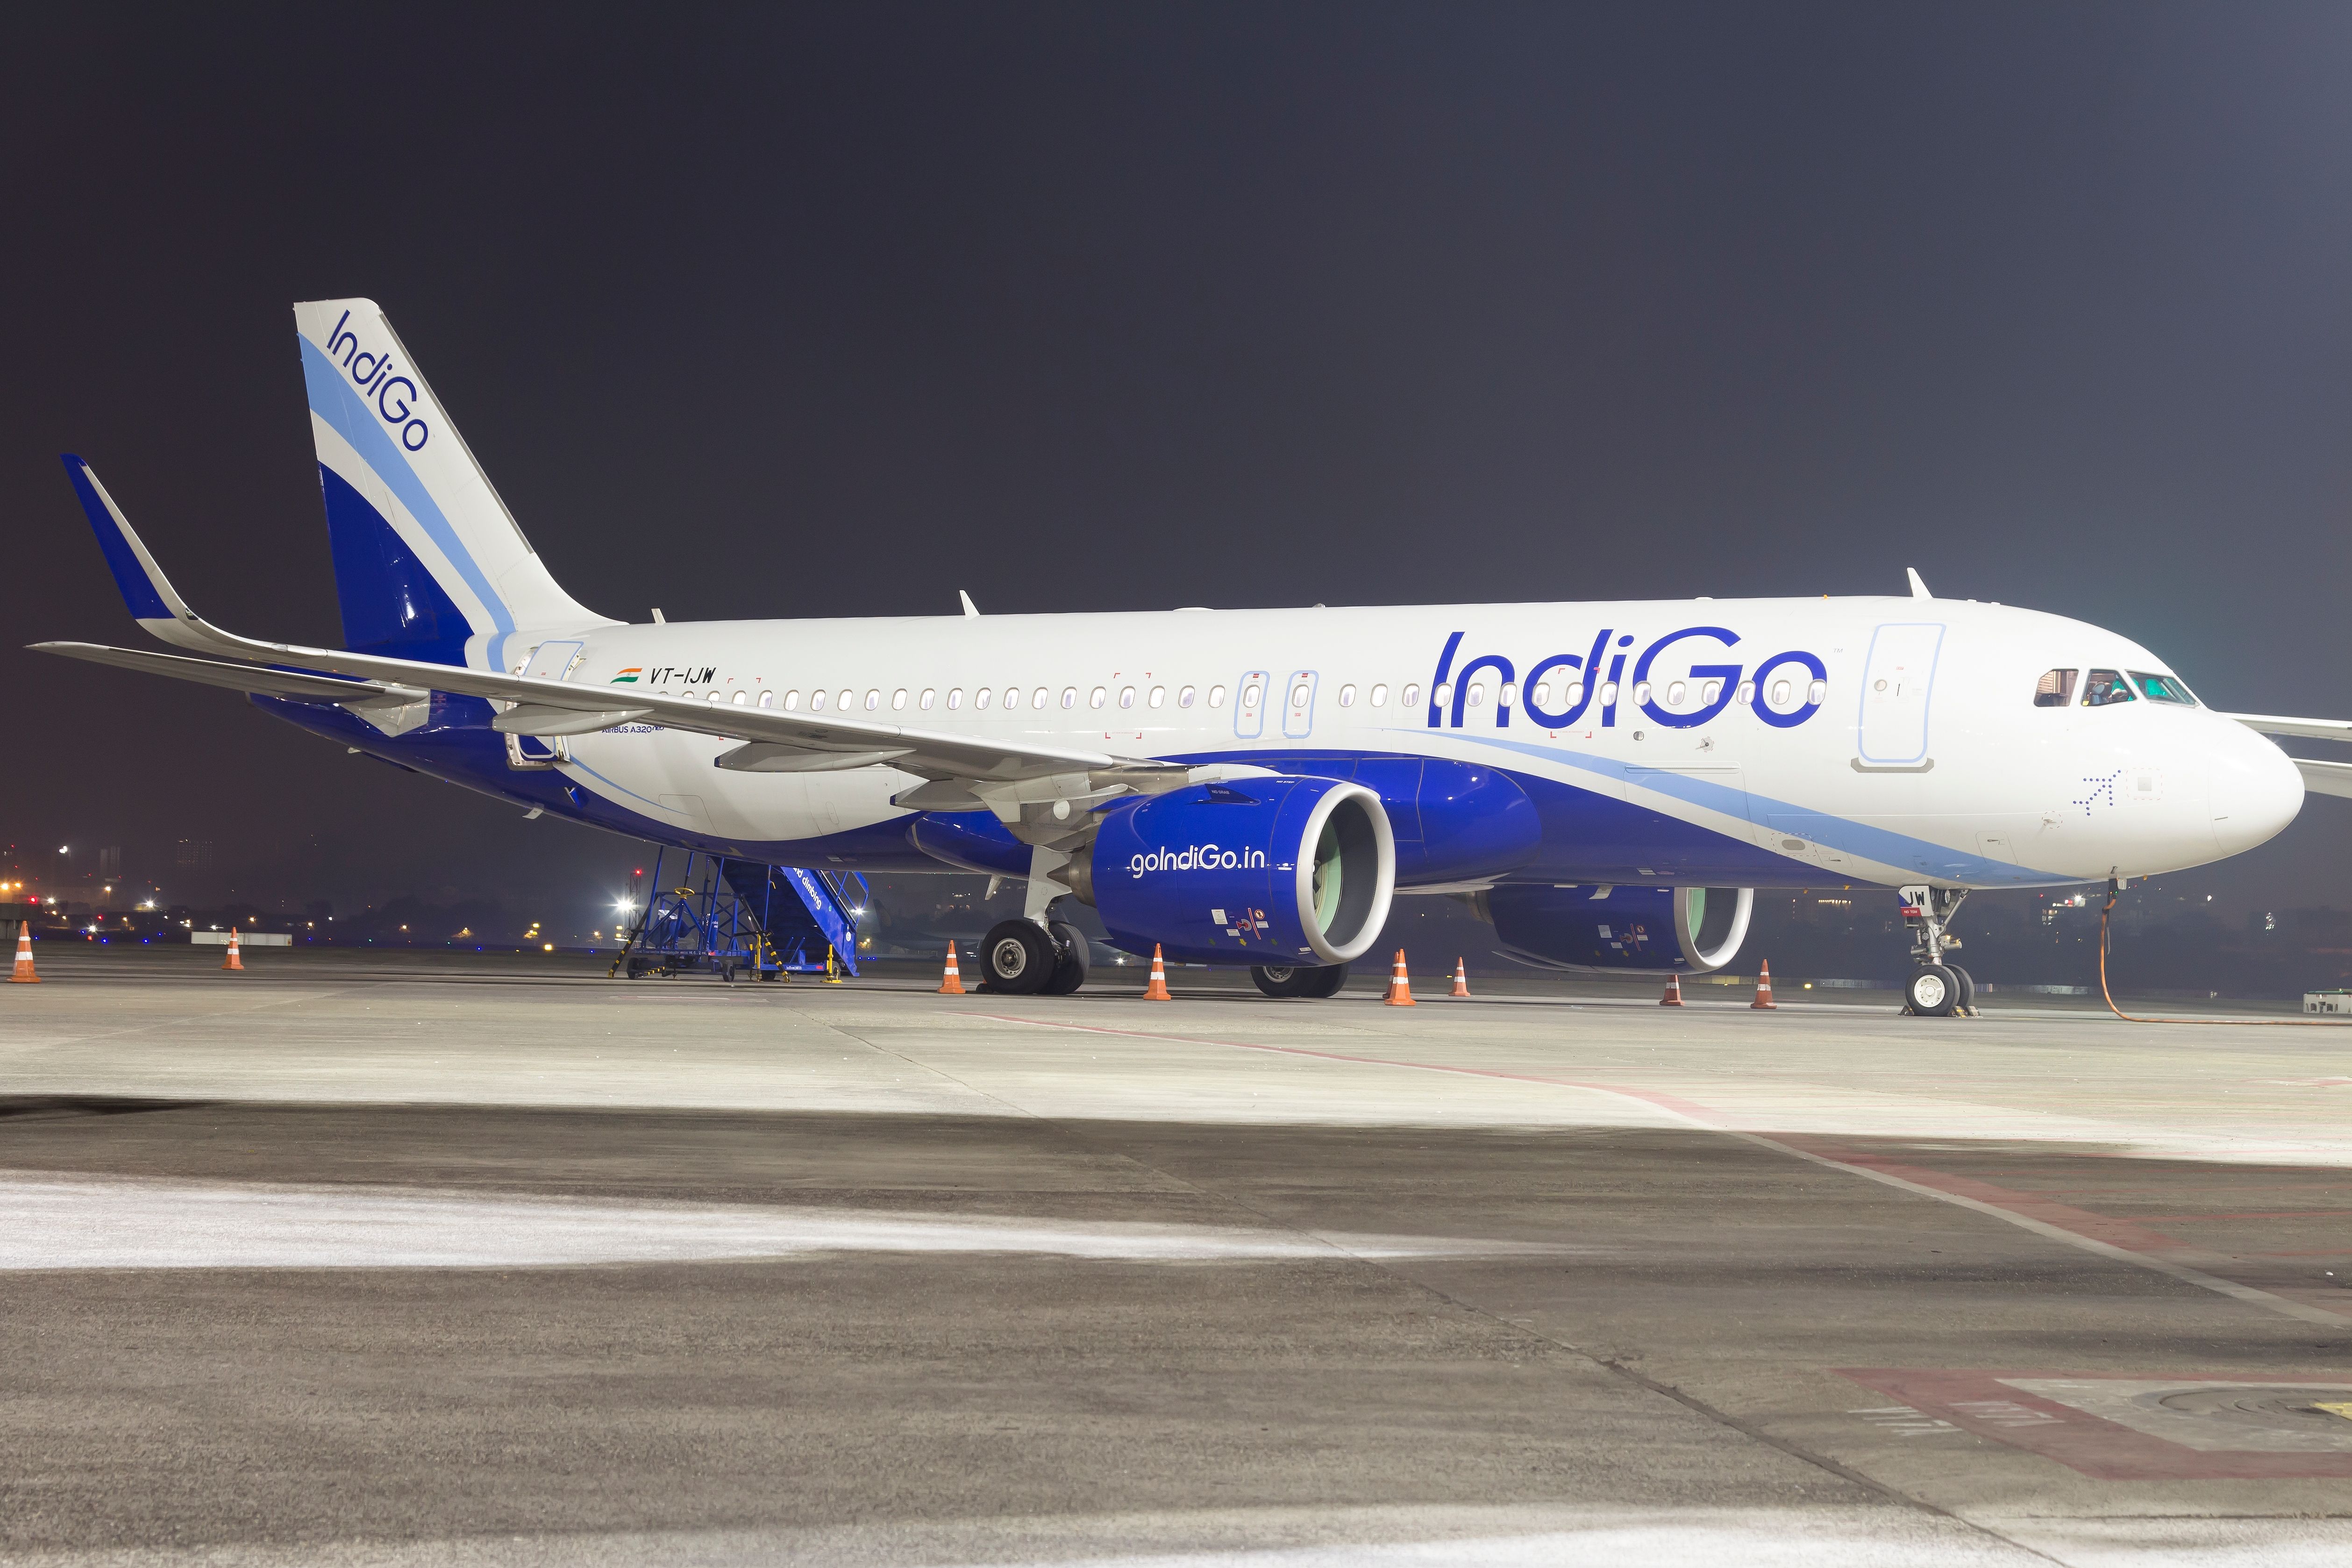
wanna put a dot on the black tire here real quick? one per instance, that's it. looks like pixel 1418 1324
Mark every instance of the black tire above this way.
pixel 1017 958
pixel 1932 991
pixel 1071 972
pixel 1286 980
pixel 1968 989
pixel 635 969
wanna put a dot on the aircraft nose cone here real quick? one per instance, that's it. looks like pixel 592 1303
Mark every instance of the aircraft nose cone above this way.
pixel 2254 787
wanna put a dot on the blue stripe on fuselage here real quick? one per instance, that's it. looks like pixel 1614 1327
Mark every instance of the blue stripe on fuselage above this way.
pixel 1882 845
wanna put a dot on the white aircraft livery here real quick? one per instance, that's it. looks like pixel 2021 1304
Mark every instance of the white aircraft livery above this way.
pixel 1608 783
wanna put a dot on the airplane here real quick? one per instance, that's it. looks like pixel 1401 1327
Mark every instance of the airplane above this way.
pixel 1607 783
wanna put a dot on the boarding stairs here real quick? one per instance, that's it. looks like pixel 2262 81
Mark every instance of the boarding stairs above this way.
pixel 720 915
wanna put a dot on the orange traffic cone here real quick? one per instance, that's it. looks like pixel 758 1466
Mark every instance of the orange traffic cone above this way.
pixel 1461 980
pixel 234 961
pixel 952 984
pixel 1400 986
pixel 1674 996
pixel 23 976
pixel 1764 985
pixel 1158 990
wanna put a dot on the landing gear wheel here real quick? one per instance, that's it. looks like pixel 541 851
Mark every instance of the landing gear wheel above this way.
pixel 1071 972
pixel 1017 958
pixel 1934 991
pixel 1328 980
pixel 1968 1003
pixel 1299 979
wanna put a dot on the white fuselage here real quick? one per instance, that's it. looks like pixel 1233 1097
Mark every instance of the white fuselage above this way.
pixel 1917 754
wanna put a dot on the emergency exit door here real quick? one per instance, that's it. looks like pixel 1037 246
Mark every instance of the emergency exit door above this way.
pixel 1897 682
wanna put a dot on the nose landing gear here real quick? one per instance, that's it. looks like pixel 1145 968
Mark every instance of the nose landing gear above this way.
pixel 1938 988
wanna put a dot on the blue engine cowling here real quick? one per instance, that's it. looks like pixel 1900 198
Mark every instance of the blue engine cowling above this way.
pixel 1260 870
pixel 1688 931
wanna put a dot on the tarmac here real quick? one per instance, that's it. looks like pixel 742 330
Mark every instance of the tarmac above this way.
pixel 405 1258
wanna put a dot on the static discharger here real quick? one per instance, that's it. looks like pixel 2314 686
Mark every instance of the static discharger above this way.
pixel 1400 986
pixel 1674 996
pixel 1158 990
pixel 233 961
pixel 1461 979
pixel 1764 987
pixel 951 983
pixel 24 974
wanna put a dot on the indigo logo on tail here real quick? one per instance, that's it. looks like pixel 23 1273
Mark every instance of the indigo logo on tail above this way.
pixel 372 374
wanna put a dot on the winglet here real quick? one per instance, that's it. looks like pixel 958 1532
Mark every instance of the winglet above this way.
pixel 971 610
pixel 1918 588
pixel 154 603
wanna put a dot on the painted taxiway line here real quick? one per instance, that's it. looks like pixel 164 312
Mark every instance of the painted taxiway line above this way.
pixel 50 1221
pixel 2055 1221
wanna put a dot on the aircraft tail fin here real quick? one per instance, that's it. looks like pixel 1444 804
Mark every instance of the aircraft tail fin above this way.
pixel 429 564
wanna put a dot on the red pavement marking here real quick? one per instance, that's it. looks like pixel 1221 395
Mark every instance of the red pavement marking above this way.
pixel 2099 1231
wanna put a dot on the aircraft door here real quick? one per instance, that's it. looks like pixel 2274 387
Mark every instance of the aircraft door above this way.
pixel 1898 681
pixel 1299 704
pixel 548 662
pixel 553 660
pixel 1249 704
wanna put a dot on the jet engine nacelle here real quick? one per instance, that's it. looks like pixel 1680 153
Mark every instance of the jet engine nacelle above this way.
pixel 1688 931
pixel 1276 871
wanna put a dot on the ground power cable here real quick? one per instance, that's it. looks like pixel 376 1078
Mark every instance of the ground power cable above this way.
pixel 2105 909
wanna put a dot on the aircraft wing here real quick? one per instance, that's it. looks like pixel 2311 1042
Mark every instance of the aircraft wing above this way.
pixel 2318 777
pixel 2325 778
pixel 235 677
pixel 775 742
pixel 2299 729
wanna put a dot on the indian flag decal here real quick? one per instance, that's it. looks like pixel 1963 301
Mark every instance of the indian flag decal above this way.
pixel 627 676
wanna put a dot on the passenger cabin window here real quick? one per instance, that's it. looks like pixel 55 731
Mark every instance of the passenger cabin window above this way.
pixel 767 699
pixel 2162 688
pixel 2103 686
pixel 1159 695
pixel 1380 696
pixel 1184 697
pixel 2055 689
pixel 980 698
pixel 1412 697
pixel 1347 697
pixel 1216 697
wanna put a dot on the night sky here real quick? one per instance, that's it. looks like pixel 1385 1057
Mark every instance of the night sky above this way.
pixel 833 310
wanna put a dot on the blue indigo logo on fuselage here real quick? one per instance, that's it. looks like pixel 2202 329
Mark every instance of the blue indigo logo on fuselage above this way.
pixel 1665 692
pixel 394 396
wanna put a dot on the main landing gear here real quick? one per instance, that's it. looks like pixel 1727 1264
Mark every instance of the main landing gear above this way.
pixel 1297 980
pixel 1937 988
pixel 1022 958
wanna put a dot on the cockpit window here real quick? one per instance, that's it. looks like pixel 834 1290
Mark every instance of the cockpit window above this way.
pixel 2162 688
pixel 2104 687
pixel 2055 689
